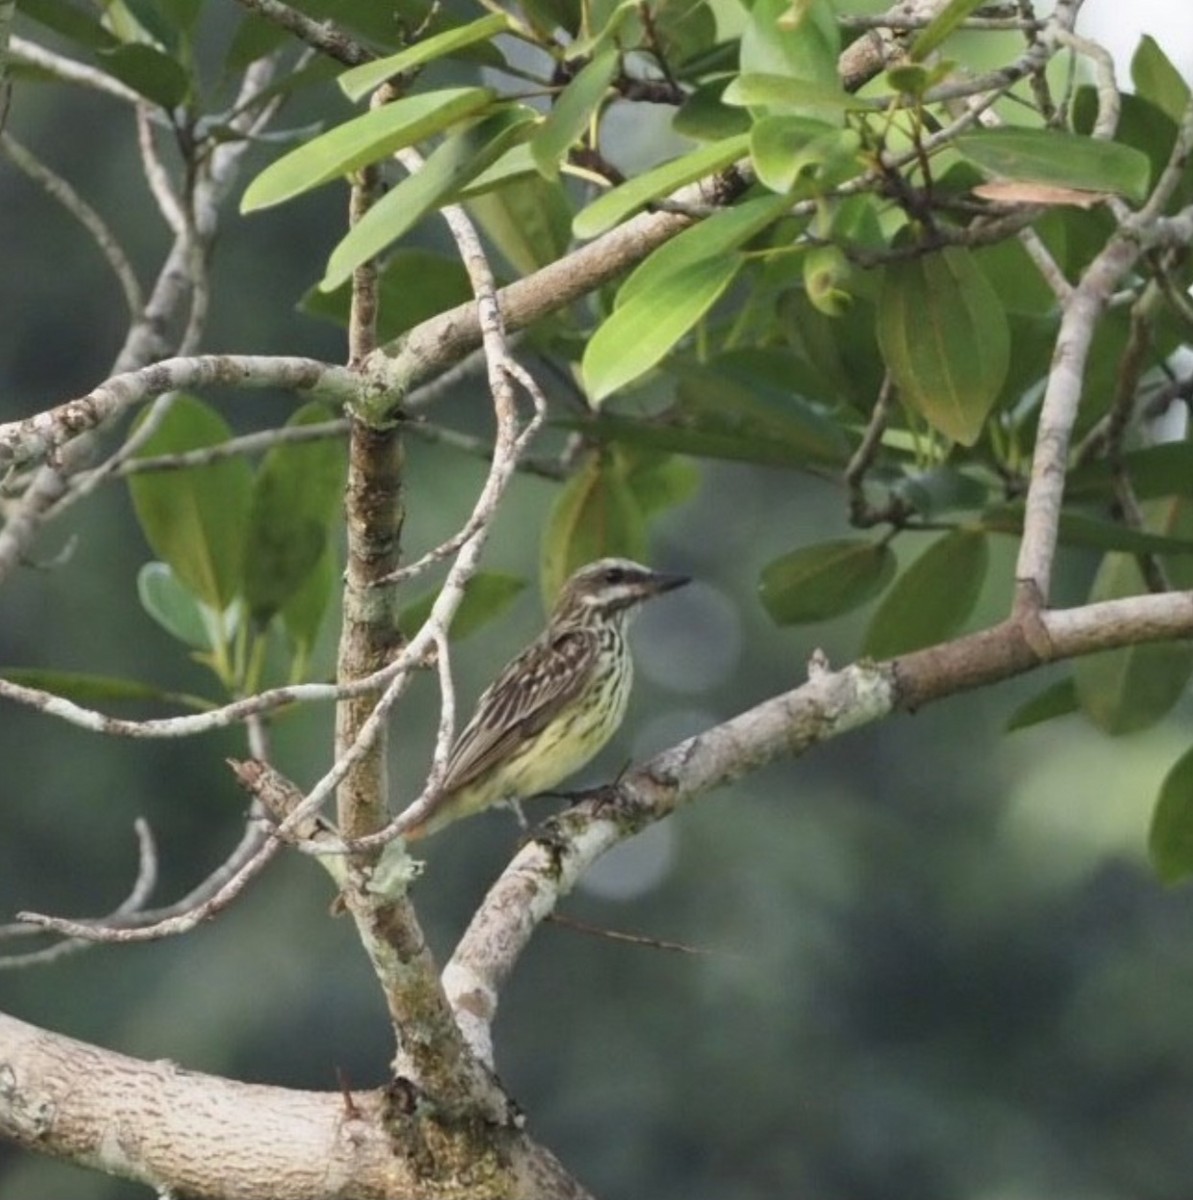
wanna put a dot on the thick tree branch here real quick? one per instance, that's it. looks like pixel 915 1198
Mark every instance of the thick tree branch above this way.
pixel 185 1133
pixel 829 704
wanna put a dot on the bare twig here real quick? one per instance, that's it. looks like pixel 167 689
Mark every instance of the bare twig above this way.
pixel 321 35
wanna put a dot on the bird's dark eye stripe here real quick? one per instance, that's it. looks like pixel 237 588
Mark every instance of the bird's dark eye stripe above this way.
pixel 615 575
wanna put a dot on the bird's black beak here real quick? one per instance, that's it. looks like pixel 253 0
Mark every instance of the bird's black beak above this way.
pixel 666 581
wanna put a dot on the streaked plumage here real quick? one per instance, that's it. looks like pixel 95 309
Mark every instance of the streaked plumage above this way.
pixel 555 705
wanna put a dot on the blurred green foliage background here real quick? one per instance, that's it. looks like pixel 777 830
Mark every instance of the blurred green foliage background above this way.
pixel 932 960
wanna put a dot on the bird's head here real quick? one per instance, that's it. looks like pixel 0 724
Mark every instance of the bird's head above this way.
pixel 610 588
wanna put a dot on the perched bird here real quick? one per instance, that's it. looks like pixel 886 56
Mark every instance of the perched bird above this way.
pixel 555 705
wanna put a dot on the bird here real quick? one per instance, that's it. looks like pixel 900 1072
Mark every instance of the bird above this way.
pixel 553 706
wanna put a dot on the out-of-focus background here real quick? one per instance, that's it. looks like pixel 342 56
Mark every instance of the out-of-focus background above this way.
pixel 932 961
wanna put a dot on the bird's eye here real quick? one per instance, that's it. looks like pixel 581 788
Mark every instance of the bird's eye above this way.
pixel 615 575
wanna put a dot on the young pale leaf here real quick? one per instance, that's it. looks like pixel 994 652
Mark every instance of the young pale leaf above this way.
pixel 571 112
pixel 933 598
pixel 710 238
pixel 486 596
pixel 195 519
pixel 362 140
pixel 783 148
pixel 1054 157
pixel 360 81
pixel 614 206
pixel 296 495
pixel 1170 838
pixel 640 333
pixel 458 160
pixel 824 581
pixel 941 26
pixel 171 605
pixel 1057 700
pixel 944 337
pixel 1157 80
pixel 595 516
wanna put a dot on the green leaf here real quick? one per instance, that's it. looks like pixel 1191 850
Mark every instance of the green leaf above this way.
pixel 73 23
pixel 941 26
pixel 296 496
pixel 615 205
pixel 824 581
pixel 303 612
pixel 486 596
pixel 149 72
pixel 362 140
pixel 1079 529
pixel 713 237
pixel 415 284
pixel 1157 80
pixel 801 96
pixel 704 117
pixel 660 481
pixel 933 598
pixel 1170 838
pixel 1154 471
pixel 1133 687
pixel 1055 157
pixel 529 220
pixel 572 111
pixel 172 606
pixel 595 515
pixel 83 688
pixel 362 80
pixel 798 40
pixel 786 150
pixel 945 340
pixel 459 159
pixel 640 332
pixel 1057 700
pixel 195 519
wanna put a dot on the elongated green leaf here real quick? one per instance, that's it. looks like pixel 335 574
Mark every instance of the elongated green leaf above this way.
pixel 296 496
pixel 933 598
pixel 303 612
pixel 710 238
pixel 514 163
pixel 195 519
pixel 571 112
pixel 415 284
pixel 596 515
pixel 1154 471
pixel 1057 700
pixel 705 117
pixel 486 596
pixel 659 481
pixel 1132 688
pixel 1078 529
pixel 616 205
pixel 83 688
pixel 785 148
pixel 360 81
pixel 171 605
pixel 824 581
pixel 459 159
pixel 941 25
pixel 640 333
pixel 148 71
pixel 362 140
pixel 71 21
pixel 1054 157
pixel 1170 838
pixel 786 94
pixel 529 220
pixel 944 338
pixel 1157 80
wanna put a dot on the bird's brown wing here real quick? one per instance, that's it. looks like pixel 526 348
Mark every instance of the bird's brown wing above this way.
pixel 546 677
